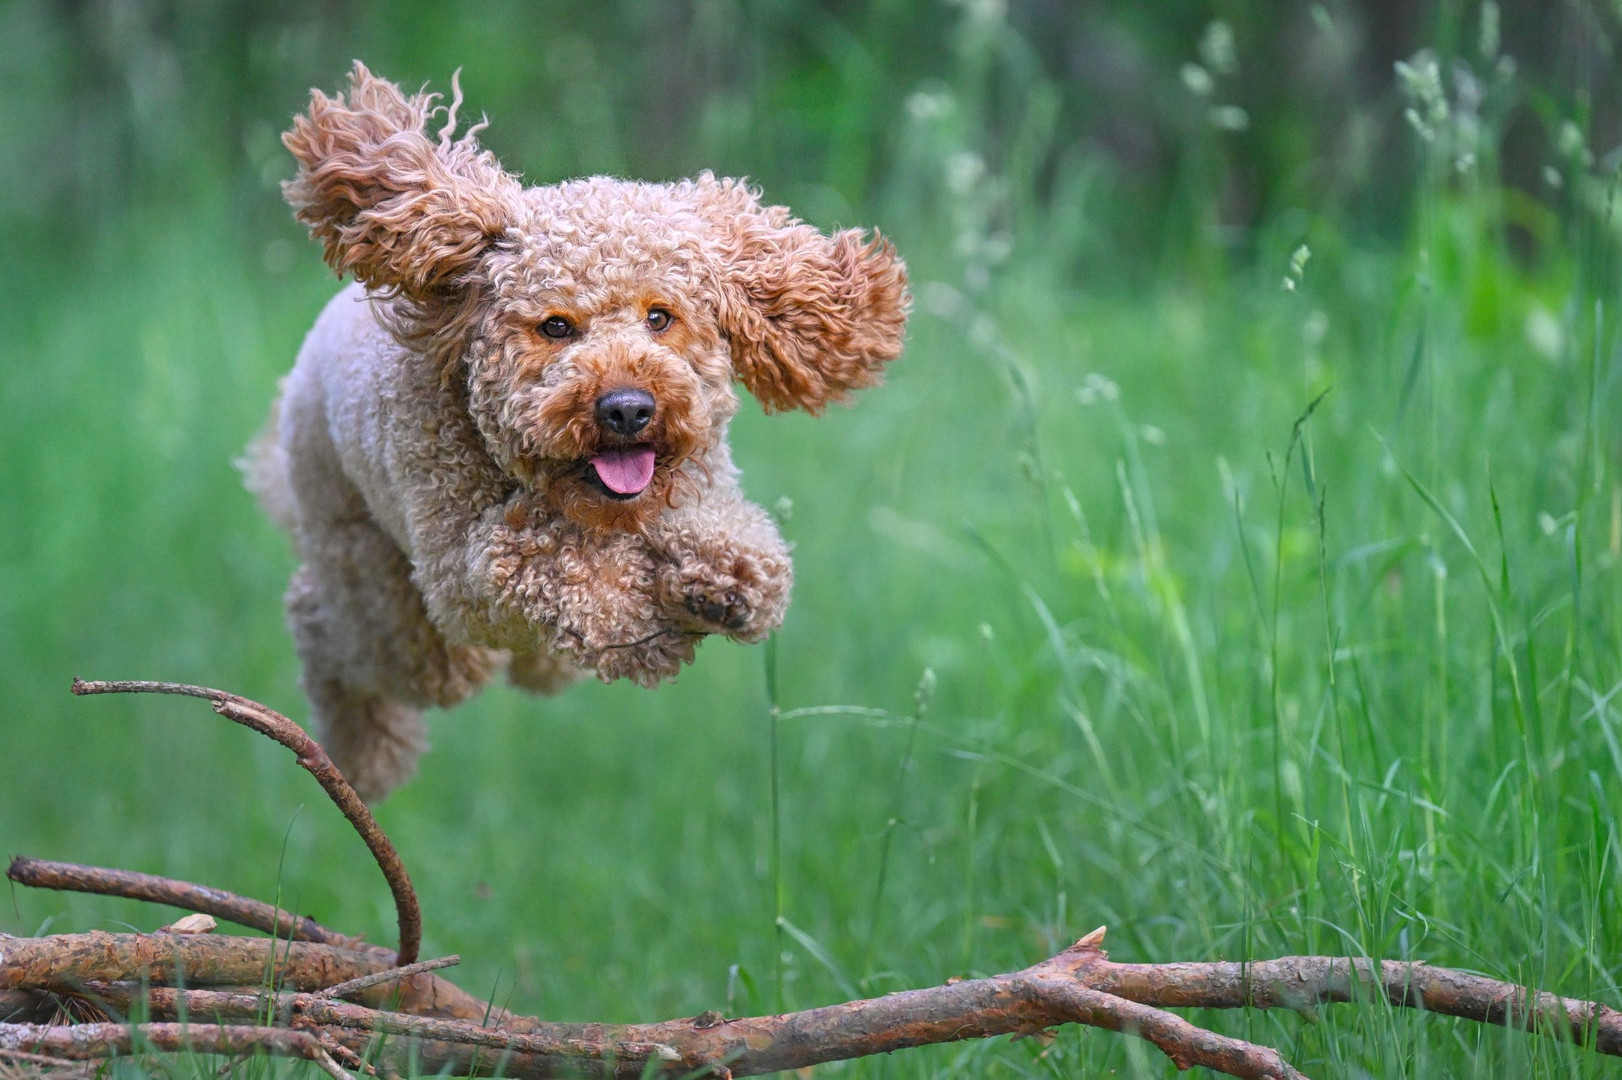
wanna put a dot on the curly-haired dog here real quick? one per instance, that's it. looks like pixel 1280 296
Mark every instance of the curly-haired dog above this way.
pixel 506 443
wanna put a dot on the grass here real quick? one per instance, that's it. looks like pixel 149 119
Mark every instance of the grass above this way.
pixel 1098 620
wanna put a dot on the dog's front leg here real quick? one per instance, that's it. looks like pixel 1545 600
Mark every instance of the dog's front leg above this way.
pixel 588 594
pixel 723 568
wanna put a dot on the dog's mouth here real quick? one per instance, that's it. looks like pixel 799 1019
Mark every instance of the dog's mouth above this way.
pixel 623 472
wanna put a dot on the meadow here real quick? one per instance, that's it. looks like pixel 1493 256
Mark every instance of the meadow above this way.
pixel 1246 580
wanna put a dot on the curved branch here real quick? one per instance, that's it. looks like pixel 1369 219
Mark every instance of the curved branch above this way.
pixel 312 757
pixel 254 914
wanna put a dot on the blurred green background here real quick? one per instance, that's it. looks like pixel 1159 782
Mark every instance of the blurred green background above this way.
pixel 1094 623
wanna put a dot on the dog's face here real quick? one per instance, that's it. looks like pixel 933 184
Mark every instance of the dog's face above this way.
pixel 596 324
pixel 600 374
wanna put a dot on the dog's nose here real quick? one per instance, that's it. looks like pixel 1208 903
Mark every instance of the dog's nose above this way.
pixel 625 412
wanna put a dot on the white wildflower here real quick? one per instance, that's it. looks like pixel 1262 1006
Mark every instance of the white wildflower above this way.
pixel 964 170
pixel 1572 144
pixel 1217 48
pixel 1489 37
pixel 1298 260
pixel 925 105
pixel 1544 333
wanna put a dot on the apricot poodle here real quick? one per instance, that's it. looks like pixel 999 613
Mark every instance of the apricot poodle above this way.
pixel 505 444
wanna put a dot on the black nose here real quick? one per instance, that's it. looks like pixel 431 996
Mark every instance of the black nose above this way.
pixel 625 412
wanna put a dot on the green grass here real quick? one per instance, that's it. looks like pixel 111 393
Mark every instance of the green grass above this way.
pixel 1236 676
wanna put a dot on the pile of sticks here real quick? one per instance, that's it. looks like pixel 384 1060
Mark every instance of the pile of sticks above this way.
pixel 70 1001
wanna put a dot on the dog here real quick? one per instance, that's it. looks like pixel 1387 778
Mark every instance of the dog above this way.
pixel 504 444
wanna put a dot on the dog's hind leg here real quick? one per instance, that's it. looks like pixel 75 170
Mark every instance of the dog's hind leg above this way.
pixel 372 660
pixel 372 657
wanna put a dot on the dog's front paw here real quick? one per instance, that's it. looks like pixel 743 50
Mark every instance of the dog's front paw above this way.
pixel 741 594
pixel 713 605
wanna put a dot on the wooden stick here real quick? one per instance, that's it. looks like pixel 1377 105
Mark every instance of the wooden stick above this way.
pixel 66 962
pixel 254 914
pixel 38 1059
pixel 344 989
pixel 19 1065
pixel 81 1042
pixel 314 759
pixel 1294 982
pixel 312 1011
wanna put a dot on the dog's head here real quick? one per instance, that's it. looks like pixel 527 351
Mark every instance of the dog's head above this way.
pixel 596 325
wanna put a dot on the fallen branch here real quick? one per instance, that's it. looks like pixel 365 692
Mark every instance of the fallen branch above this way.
pixel 1295 982
pixel 1080 985
pixel 1022 1003
pixel 91 1041
pixel 56 1068
pixel 63 962
pixel 254 914
pixel 317 1010
pixel 314 759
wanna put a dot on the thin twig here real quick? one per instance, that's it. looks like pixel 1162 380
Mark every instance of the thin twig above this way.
pixel 254 914
pixel 351 986
pixel 344 1054
pixel 314 759
pixel 38 1059
pixel 325 1062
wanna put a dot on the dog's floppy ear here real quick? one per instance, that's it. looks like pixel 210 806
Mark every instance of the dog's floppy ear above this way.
pixel 809 317
pixel 403 212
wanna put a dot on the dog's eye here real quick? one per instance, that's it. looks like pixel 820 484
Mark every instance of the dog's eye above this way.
pixel 659 319
pixel 557 327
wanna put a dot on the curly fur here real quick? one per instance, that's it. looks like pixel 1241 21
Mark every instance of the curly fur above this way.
pixel 431 449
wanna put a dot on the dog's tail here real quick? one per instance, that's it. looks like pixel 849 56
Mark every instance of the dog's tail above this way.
pixel 263 465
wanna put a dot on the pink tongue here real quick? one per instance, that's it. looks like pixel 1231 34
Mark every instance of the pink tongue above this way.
pixel 625 472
